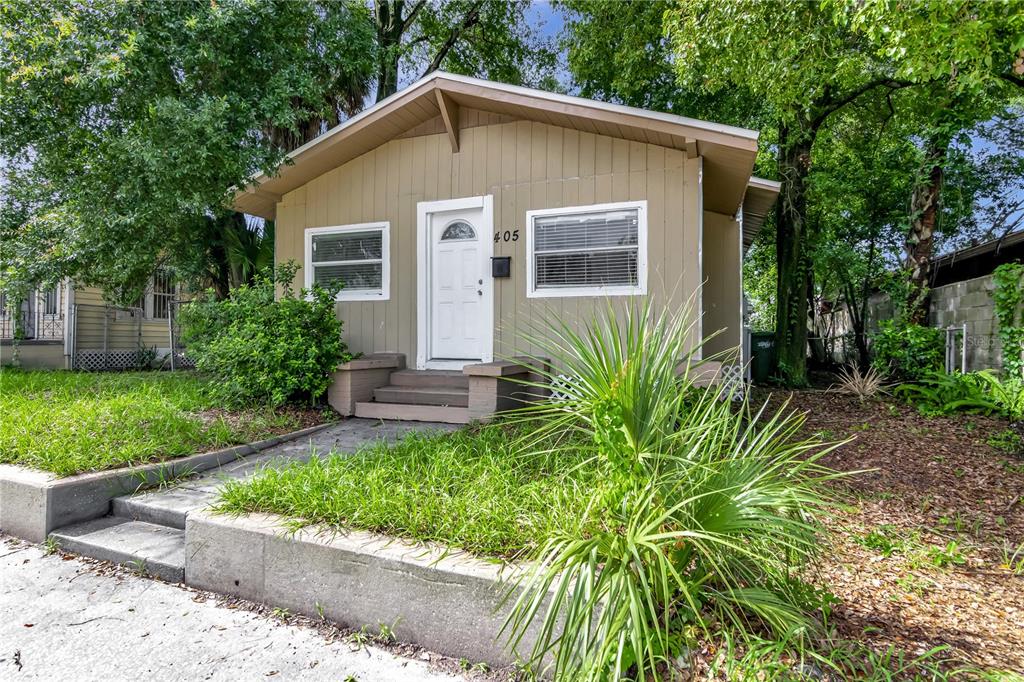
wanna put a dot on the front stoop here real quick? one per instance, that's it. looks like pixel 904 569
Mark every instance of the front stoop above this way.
pixel 477 392
pixel 419 413
pixel 420 395
pixel 408 395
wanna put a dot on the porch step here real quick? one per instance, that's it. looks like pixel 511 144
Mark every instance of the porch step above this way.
pixel 419 413
pixel 433 395
pixel 155 550
pixel 430 378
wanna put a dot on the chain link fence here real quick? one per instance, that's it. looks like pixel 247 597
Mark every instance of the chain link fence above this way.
pixel 108 338
pixel 178 358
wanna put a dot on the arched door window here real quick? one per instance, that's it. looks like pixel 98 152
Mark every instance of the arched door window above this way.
pixel 459 230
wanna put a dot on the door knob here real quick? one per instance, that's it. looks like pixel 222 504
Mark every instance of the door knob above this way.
pixel 480 291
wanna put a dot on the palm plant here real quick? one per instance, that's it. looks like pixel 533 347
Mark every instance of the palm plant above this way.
pixel 864 385
pixel 707 509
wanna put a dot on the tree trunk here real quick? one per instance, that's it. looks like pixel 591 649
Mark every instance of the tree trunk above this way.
pixel 793 280
pixel 861 324
pixel 816 341
pixel 924 214
pixel 390 28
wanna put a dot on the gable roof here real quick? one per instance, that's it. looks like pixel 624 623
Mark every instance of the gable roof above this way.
pixel 728 151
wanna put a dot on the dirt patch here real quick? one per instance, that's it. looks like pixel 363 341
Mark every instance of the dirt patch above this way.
pixel 919 558
pixel 279 422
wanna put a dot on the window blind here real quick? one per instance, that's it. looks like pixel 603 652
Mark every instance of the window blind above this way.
pixel 588 250
pixel 356 259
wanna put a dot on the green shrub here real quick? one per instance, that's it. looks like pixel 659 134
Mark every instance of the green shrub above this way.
pixel 706 508
pixel 907 351
pixel 983 392
pixel 266 350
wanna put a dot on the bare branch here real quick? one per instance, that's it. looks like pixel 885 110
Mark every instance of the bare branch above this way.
pixel 471 19
pixel 411 17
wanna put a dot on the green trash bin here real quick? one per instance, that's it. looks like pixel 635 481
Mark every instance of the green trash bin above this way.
pixel 762 356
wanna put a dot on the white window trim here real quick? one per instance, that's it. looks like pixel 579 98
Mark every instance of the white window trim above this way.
pixel 568 292
pixel 385 252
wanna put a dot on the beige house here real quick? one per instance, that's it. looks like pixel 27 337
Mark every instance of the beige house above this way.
pixel 461 213
pixel 73 327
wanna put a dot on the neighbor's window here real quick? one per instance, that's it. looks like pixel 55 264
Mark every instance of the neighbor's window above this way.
pixel 355 255
pixel 163 294
pixel 596 250
pixel 51 300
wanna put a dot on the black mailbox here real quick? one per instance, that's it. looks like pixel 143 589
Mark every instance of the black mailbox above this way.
pixel 501 266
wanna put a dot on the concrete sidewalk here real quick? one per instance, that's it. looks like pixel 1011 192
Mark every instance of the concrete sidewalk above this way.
pixel 70 619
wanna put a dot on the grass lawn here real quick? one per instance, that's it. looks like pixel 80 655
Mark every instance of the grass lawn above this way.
pixel 72 422
pixel 468 489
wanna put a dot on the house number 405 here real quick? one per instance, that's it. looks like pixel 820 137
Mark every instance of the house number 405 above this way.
pixel 506 236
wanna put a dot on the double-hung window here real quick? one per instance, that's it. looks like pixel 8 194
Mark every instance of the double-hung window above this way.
pixel 598 250
pixel 355 255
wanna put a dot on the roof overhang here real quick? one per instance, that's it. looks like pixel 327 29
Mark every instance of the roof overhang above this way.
pixel 993 246
pixel 757 204
pixel 728 151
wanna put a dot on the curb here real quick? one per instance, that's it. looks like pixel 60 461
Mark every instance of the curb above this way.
pixel 33 503
pixel 442 599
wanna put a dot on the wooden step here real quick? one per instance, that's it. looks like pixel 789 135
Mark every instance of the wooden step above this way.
pixel 417 413
pixel 430 378
pixel 410 395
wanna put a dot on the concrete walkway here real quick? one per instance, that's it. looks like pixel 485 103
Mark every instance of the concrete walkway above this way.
pixel 66 619
pixel 169 507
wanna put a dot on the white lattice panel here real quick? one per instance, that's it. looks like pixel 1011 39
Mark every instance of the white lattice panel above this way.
pixel 732 382
pixel 98 360
pixel 561 388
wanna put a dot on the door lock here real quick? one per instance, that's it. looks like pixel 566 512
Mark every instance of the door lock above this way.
pixel 480 292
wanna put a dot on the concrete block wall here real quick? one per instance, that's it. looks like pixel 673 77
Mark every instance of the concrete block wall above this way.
pixel 968 302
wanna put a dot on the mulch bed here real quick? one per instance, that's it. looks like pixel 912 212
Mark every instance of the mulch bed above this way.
pixel 930 481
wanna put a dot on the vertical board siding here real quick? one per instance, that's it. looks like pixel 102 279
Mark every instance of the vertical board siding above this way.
pixel 721 290
pixel 525 166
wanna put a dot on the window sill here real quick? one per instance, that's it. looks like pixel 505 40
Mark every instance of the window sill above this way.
pixel 602 292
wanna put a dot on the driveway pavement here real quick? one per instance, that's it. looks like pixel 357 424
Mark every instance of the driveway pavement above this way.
pixel 70 619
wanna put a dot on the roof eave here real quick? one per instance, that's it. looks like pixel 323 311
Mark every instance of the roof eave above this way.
pixel 711 140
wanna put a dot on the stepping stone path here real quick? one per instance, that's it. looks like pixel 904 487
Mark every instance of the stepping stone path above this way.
pixel 147 530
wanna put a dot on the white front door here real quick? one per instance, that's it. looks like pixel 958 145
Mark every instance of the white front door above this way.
pixel 457 285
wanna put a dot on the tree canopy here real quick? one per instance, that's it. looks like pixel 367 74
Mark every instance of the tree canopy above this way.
pixel 126 124
pixel 857 103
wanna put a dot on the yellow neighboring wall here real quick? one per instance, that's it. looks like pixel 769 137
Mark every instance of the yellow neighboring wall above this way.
pixel 75 319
